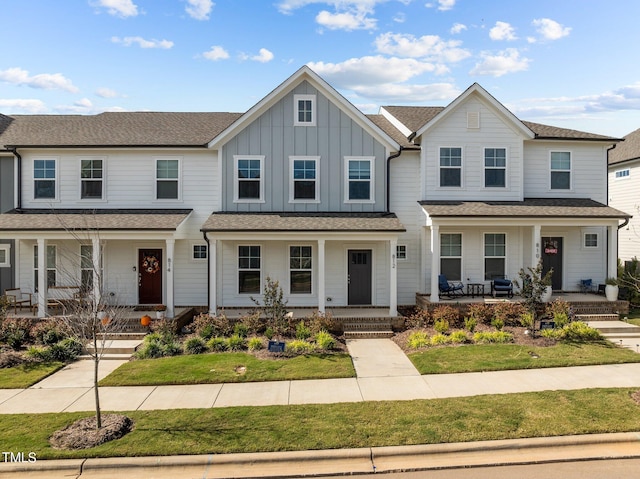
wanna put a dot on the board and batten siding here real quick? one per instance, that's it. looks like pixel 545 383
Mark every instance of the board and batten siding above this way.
pixel 623 195
pixel 7 192
pixel 335 136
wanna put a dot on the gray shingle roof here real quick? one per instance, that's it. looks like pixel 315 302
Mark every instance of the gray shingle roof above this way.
pixel 386 126
pixel 530 207
pixel 104 220
pixel 362 222
pixel 629 149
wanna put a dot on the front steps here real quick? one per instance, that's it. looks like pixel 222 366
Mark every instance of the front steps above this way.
pixel 117 346
pixel 620 333
pixel 367 328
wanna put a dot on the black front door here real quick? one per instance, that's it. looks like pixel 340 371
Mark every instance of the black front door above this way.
pixel 359 276
pixel 552 258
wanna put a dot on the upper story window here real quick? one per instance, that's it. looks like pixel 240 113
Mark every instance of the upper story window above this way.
pixel 495 167
pixel 248 179
pixel 359 179
pixel 451 166
pixel 167 179
pixel 620 174
pixel 304 180
pixel 91 179
pixel 560 170
pixel 44 179
pixel 304 110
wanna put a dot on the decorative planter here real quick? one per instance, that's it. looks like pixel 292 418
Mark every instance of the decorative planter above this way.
pixel 145 320
pixel 546 296
pixel 611 292
pixel 159 314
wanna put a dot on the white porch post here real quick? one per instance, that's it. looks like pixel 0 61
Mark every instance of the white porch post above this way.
pixel 170 268
pixel 321 276
pixel 393 278
pixel 612 261
pixel 213 279
pixel 435 263
pixel 42 277
pixel 96 263
pixel 536 239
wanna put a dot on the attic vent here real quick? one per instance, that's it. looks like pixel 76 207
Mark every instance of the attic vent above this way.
pixel 473 119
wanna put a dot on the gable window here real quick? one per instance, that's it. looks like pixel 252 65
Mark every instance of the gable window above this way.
pixel 51 261
pixel 300 269
pixel 495 254
pixel 560 170
pixel 304 179
pixel 304 110
pixel 495 167
pixel 248 269
pixel 44 179
pixel 249 173
pixel 167 179
pixel 359 179
pixel 401 252
pixel 5 257
pixel 199 252
pixel 91 174
pixel 620 174
pixel 451 256
pixel 451 167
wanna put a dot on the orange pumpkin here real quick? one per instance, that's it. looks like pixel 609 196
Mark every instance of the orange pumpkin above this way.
pixel 145 320
pixel 106 320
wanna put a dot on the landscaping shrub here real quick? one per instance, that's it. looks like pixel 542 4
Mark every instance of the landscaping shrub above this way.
pixel 509 313
pixel 325 341
pixel 578 331
pixel 318 321
pixel 419 318
pixel 526 320
pixel 64 351
pixel 255 344
pixel 441 326
pixel 157 345
pixel 9 359
pixel 217 343
pixel 302 331
pixel 555 334
pixel 253 323
pixel 207 326
pixel 447 313
pixel 49 332
pixel 557 306
pixel 195 345
pixel 298 346
pixel 458 337
pixel 418 339
pixel 240 329
pixel 497 323
pixel 439 339
pixel 236 343
pixel 269 333
pixel 470 323
pixel 15 332
pixel 483 313
pixel 492 337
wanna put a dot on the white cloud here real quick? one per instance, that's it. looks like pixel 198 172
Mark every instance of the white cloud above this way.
pixel 118 8
pixel 442 5
pixel 142 43
pixel 507 61
pixel 457 28
pixel 398 93
pixel 349 21
pixel 44 81
pixel 107 93
pixel 502 31
pixel 216 53
pixel 430 47
pixel 23 106
pixel 400 17
pixel 199 9
pixel 288 6
pixel 264 56
pixel 550 29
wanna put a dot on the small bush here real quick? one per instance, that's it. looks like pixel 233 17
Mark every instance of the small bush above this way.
pixel 419 318
pixel 555 334
pixel 459 337
pixel 240 329
pixel 492 337
pixel 15 332
pixel 439 339
pixel 255 344
pixel 446 313
pixel 157 345
pixel 318 321
pixel 441 326
pixel 325 341
pixel 64 351
pixel 526 320
pixel 236 343
pixel 302 331
pixel 470 323
pixel 557 306
pixel 497 323
pixel 207 326
pixel 269 333
pixel 195 345
pixel 217 343
pixel 298 346
pixel 578 331
pixel 561 319
pixel 9 359
pixel 509 313
pixel 418 339
pixel 49 332
pixel 253 323
pixel 481 311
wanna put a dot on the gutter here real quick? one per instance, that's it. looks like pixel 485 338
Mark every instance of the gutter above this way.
pixel 14 150
pixel 396 155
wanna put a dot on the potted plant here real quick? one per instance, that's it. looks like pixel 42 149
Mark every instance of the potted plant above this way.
pixel 611 289
pixel 160 309
pixel 548 289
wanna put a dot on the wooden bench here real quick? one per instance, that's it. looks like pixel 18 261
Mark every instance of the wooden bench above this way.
pixel 18 299
pixel 63 296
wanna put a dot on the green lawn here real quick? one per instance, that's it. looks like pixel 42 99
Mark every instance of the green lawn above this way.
pixel 25 375
pixel 224 368
pixel 368 424
pixel 498 357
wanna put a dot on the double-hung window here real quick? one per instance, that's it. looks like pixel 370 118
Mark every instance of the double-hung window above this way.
pixel 451 167
pixel 249 260
pixel 87 267
pixel 359 179
pixel 304 179
pixel 249 179
pixel 451 256
pixel 300 269
pixel 44 179
pixel 304 110
pixel 495 167
pixel 91 178
pixel 5 255
pixel 50 264
pixel 495 255
pixel 560 170
pixel 167 179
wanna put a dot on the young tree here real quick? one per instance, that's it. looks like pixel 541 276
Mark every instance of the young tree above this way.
pixel 532 286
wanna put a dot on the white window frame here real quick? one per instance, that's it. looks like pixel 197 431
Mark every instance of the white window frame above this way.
pixel 461 168
pixel 372 179
pixel 48 268
pixel 296 110
pixel 236 179
pixel 485 167
pixel 622 174
pixel 310 270
pixel 586 233
pixel 551 171
pixel 6 247
pixel 239 269
pixel 102 179
pixel 451 233
pixel 484 255
pixel 292 180
pixel 193 252
pixel 401 252
pixel 178 179
pixel 54 179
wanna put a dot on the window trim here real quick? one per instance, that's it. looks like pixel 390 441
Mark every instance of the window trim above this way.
pixel 178 179
pixel 304 97
pixel 193 252
pixel 35 265
pixel 485 167
pixel 102 180
pixel 292 180
pixel 405 255
pixel 236 179
pixel 310 270
pixel 484 255
pixel 454 257
pixel 584 240
pixel 6 247
pixel 461 168
pixel 238 269
pixel 372 177
pixel 622 176
pixel 55 178
pixel 570 170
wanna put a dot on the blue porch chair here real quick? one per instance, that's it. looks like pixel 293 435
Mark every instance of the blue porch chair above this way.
pixel 449 288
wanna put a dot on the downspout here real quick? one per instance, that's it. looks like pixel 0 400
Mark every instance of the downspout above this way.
pixel 395 155
pixel 19 179
pixel 206 239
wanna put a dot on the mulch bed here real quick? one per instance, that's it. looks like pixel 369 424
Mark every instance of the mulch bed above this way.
pixel 83 434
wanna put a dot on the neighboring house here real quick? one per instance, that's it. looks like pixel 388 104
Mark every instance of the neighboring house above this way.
pixel 342 208
pixel 624 184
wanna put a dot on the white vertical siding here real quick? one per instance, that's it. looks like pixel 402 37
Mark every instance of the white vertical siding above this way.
pixel 623 195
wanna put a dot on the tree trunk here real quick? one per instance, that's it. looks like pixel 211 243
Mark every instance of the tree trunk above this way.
pixel 96 362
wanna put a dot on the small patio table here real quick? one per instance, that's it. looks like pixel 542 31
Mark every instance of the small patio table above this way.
pixel 475 289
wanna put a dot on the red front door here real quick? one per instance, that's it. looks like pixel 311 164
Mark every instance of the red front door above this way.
pixel 150 276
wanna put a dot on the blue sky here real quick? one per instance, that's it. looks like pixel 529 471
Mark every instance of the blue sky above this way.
pixel 569 63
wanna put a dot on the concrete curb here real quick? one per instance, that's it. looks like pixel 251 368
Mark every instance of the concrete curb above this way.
pixel 342 461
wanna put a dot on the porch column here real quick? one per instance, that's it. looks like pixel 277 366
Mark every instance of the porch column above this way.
pixel 96 263
pixel 170 268
pixel 42 277
pixel 321 277
pixel 393 278
pixel 435 263
pixel 213 279
pixel 612 260
pixel 536 239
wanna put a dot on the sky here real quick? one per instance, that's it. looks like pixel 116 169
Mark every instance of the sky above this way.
pixel 567 63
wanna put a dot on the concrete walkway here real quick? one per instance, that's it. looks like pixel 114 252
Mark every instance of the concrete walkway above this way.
pixel 383 374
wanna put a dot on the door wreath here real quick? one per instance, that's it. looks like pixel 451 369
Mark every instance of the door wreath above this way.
pixel 151 264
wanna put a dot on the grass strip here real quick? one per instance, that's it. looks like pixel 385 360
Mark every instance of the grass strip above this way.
pixel 229 368
pixel 27 374
pixel 499 357
pixel 347 425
